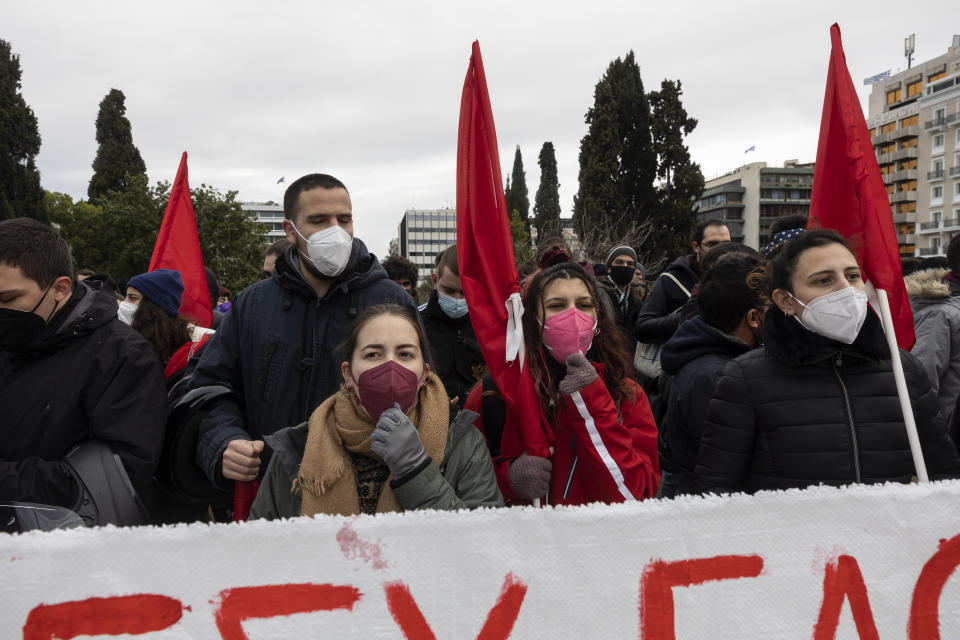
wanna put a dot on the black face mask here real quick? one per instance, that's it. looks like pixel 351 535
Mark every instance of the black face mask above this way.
pixel 19 328
pixel 621 275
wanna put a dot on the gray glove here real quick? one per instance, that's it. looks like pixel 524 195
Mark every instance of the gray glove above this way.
pixel 580 373
pixel 530 476
pixel 396 440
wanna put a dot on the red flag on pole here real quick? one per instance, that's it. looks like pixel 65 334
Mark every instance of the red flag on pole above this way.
pixel 849 195
pixel 487 267
pixel 178 247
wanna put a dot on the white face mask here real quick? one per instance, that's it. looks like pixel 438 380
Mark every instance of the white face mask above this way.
pixel 328 249
pixel 838 316
pixel 125 311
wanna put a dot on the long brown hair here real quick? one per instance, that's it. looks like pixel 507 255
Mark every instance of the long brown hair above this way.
pixel 164 332
pixel 609 347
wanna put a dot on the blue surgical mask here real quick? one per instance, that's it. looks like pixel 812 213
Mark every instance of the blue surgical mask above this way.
pixel 453 307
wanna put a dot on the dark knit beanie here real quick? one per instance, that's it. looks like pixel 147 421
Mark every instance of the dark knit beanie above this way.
pixel 162 287
pixel 623 250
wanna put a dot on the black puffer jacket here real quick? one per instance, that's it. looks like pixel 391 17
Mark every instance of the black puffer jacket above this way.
pixel 657 321
pixel 455 352
pixel 805 410
pixel 86 376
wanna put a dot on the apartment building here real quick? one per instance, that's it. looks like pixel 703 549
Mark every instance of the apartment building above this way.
pixel 914 122
pixel 749 198
pixel 424 233
pixel 270 217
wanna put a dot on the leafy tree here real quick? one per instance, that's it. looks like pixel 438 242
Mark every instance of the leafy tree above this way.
pixel 231 241
pixel 519 196
pixel 617 161
pixel 20 191
pixel 681 181
pixel 546 206
pixel 522 251
pixel 117 160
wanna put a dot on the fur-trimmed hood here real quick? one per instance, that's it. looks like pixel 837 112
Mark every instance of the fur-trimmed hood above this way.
pixel 927 284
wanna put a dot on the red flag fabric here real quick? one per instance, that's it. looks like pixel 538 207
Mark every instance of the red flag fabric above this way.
pixel 488 271
pixel 178 247
pixel 849 195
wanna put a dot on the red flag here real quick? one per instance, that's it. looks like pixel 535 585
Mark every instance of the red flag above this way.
pixel 178 247
pixel 487 267
pixel 849 195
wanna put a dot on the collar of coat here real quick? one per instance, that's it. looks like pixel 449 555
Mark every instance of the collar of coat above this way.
pixel 792 343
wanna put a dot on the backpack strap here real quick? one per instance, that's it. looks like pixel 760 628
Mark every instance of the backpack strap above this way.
pixel 674 278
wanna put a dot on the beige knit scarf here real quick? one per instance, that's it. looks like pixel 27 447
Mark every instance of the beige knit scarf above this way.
pixel 327 478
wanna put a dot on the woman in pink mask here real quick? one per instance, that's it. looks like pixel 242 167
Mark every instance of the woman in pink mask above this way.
pixel 604 435
pixel 385 441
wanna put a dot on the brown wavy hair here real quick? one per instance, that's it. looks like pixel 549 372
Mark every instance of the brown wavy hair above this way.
pixel 609 348
pixel 164 332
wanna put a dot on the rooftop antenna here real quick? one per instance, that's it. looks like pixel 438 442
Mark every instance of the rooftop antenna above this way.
pixel 909 46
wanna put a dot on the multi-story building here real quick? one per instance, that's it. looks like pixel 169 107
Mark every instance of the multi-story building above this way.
pixel 914 122
pixel 749 198
pixel 424 233
pixel 270 217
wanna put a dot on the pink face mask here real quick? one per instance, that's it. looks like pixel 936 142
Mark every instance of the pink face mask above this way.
pixel 568 332
pixel 380 387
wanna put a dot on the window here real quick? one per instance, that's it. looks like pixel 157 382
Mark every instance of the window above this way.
pixel 939 114
pixel 912 121
pixel 891 188
pixel 936 195
pixel 936 165
pixel 907 143
pixel 908 207
pixel 936 217
pixel 894 96
pixel 887 128
pixel 956 191
pixel 938 143
pixel 936 76
pixel 888 148
pixel 887 169
pixel 914 88
pixel 909 185
pixel 910 163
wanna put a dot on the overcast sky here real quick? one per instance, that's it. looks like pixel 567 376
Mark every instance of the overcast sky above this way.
pixel 370 91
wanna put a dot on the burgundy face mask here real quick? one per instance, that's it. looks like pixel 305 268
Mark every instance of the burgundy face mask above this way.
pixel 380 387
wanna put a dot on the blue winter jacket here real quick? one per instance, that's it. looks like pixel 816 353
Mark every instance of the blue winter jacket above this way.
pixel 277 350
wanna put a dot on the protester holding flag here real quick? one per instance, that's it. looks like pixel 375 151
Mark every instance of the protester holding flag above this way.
pixel 817 404
pixel 385 441
pixel 605 439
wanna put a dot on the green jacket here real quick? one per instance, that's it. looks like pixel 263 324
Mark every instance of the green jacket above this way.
pixel 464 480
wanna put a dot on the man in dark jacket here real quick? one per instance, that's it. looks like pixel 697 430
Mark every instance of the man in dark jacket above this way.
pixel 70 372
pixel 457 358
pixel 617 284
pixel 657 321
pixel 276 349
pixel 729 324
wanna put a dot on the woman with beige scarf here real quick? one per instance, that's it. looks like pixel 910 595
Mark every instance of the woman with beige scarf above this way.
pixel 385 441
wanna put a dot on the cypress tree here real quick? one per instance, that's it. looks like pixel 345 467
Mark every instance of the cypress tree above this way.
pixel 117 158
pixel 598 198
pixel 20 191
pixel 546 205
pixel 519 196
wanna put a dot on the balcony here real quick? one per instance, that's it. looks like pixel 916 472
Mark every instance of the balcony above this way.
pixel 900 218
pixel 900 176
pixel 926 226
pixel 950 223
pixel 902 196
pixel 954 171
pixel 930 251
pixel 903 132
pixel 936 174
pixel 938 124
pixel 906 238
pixel 900 154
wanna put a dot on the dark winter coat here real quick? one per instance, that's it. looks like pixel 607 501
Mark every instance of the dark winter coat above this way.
pixel 86 376
pixel 695 357
pixel 626 307
pixel 657 320
pixel 456 355
pixel 936 317
pixel 277 349
pixel 805 410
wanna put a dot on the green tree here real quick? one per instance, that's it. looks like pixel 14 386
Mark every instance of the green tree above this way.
pixel 681 181
pixel 231 242
pixel 20 191
pixel 522 251
pixel 519 196
pixel 117 160
pixel 617 162
pixel 546 205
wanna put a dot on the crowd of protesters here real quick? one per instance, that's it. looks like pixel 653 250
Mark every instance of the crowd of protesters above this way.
pixel 325 388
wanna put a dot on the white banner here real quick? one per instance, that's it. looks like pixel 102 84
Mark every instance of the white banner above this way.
pixel 865 562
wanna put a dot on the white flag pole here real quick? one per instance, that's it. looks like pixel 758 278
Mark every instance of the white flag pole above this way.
pixel 887 318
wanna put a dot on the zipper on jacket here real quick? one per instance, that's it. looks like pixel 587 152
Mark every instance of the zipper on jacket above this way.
pixel 837 363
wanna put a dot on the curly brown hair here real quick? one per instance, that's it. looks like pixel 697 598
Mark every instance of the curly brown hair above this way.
pixel 164 332
pixel 609 348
